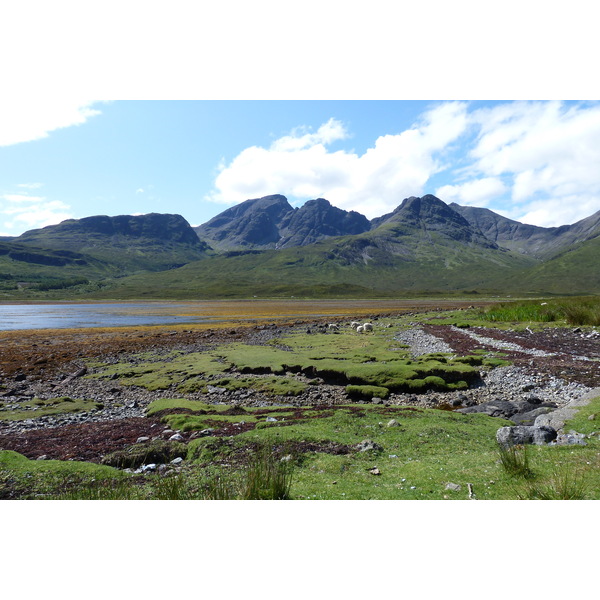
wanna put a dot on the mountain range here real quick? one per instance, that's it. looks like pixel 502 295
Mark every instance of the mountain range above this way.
pixel 265 247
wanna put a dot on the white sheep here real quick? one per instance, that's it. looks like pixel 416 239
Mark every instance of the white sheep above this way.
pixel 354 324
pixel 367 327
pixel 360 329
pixel 333 327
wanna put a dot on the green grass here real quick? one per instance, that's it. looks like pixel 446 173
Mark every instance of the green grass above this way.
pixel 38 407
pixel 574 311
pixel 417 458
pixel 515 461
pixel 343 359
pixel 21 478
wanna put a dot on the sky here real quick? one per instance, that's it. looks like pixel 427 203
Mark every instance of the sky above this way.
pixel 129 108
pixel 533 161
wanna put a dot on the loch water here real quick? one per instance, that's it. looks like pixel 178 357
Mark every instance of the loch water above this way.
pixel 72 316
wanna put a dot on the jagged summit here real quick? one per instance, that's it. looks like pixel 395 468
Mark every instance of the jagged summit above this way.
pixel 250 224
pixel 271 222
pixel 318 219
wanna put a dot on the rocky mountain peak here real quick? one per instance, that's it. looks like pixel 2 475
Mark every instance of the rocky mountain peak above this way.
pixel 318 219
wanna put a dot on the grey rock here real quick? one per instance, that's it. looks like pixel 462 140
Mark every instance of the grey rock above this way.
pixel 177 461
pixel 393 423
pixel 203 433
pixel 454 487
pixel 176 437
pixel 570 439
pixel 369 445
pixel 494 408
pixel 142 439
pixel 523 434
pixel 528 418
pixel 215 390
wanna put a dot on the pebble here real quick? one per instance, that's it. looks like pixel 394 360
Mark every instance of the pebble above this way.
pixel 453 487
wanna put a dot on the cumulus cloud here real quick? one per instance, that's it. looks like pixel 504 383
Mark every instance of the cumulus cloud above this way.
pixel 477 192
pixel 301 165
pixel 22 211
pixel 25 120
pixel 535 161
pixel 548 151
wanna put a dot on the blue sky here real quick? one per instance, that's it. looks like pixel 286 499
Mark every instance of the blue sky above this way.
pixel 130 108
pixel 534 161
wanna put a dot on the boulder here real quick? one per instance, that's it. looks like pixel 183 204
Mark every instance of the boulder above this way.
pixel 524 434
pixel 570 439
pixel 494 408
pixel 528 418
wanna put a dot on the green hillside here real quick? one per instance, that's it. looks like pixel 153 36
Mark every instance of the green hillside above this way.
pixel 129 244
pixel 423 247
pixel 382 262
pixel 574 271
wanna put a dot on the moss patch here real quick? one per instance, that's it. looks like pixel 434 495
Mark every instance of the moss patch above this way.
pixel 39 407
pixel 341 359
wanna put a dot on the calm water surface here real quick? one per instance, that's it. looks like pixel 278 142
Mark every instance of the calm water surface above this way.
pixel 67 316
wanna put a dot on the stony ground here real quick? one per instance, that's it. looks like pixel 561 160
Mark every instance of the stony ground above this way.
pixel 553 366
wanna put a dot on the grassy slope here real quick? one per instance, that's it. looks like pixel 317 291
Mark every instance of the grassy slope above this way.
pixel 392 259
pixel 575 271
pixel 367 265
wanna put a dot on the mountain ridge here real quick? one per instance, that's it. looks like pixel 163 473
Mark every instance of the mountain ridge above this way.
pixel 265 246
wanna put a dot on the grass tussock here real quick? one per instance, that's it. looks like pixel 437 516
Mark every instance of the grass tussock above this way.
pixel 515 461
pixel 564 484
pixel 574 311
pixel 267 476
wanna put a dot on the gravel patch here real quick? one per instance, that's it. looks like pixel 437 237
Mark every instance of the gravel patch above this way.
pixel 503 345
pixel 421 342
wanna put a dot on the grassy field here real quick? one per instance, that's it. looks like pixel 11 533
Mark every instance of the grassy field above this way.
pixel 350 452
pixel 354 451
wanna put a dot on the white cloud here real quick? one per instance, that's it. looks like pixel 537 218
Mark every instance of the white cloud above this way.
pixel 21 211
pixel 554 212
pixel 550 152
pixel 24 120
pixel 30 186
pixel 478 192
pixel 329 132
pixel 301 166
pixel 535 161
